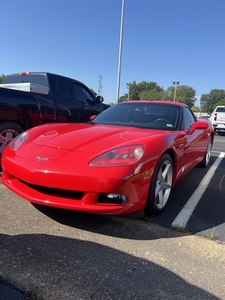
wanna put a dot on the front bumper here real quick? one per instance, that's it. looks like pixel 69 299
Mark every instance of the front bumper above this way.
pixel 79 192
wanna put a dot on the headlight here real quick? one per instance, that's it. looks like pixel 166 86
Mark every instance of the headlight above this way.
pixel 18 141
pixel 121 156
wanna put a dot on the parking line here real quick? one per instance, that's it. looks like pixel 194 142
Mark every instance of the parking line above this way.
pixel 185 214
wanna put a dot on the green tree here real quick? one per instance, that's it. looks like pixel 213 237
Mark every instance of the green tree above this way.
pixel 221 102
pixel 195 109
pixel 184 94
pixel 123 98
pixel 2 78
pixel 153 94
pixel 143 90
pixel 169 93
pixel 209 101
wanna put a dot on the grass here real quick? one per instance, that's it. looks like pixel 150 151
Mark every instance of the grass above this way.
pixel 212 235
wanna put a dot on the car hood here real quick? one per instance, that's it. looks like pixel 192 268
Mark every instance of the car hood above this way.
pixel 92 138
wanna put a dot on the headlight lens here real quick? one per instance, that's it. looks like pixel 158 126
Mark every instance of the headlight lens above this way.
pixel 121 156
pixel 18 141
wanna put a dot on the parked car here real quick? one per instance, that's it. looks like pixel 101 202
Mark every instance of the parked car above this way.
pixel 29 99
pixel 218 119
pixel 207 117
pixel 125 160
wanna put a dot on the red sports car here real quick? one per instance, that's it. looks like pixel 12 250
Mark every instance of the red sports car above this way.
pixel 125 160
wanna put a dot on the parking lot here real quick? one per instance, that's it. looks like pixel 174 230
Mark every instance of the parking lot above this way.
pixel 204 191
pixel 56 254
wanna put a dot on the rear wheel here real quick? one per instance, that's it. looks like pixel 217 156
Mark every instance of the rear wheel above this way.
pixel 204 163
pixel 8 131
pixel 160 186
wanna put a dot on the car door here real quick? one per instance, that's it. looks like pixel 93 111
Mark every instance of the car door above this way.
pixel 195 142
pixel 68 109
pixel 85 101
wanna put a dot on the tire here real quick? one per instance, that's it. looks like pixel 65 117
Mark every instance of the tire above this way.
pixel 160 186
pixel 204 163
pixel 8 131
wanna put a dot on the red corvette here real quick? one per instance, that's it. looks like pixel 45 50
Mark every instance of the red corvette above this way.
pixel 125 160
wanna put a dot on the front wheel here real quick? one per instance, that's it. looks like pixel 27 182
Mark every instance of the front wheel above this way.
pixel 160 186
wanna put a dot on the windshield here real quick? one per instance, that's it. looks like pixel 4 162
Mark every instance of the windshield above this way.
pixel 141 115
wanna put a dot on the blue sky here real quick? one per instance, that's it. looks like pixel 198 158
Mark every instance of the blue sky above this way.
pixel 163 41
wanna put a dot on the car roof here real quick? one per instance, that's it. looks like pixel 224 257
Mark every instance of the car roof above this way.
pixel 154 102
pixel 44 73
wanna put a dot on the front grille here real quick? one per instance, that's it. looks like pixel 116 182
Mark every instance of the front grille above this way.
pixel 60 193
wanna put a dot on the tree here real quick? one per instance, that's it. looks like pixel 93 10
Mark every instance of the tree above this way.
pixel 153 94
pixel 170 93
pixel 221 102
pixel 123 98
pixel 208 101
pixel 184 94
pixel 2 78
pixel 195 109
pixel 143 90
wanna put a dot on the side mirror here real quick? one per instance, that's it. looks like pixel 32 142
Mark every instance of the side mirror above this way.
pixel 99 99
pixel 198 125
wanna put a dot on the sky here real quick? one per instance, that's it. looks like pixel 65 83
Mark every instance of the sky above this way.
pixel 163 41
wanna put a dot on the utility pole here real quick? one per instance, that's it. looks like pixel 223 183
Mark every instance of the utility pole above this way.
pixel 120 52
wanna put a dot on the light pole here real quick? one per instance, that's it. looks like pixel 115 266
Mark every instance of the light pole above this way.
pixel 176 83
pixel 120 51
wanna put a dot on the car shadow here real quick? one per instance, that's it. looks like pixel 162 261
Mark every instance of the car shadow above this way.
pixel 52 267
pixel 121 227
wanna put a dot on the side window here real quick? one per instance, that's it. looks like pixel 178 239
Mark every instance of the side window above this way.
pixel 64 88
pixel 188 118
pixel 82 93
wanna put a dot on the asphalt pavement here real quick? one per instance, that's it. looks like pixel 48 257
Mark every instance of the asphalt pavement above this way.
pixel 112 258
pixel 55 254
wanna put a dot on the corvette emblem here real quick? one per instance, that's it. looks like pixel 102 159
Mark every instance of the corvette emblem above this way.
pixel 40 159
